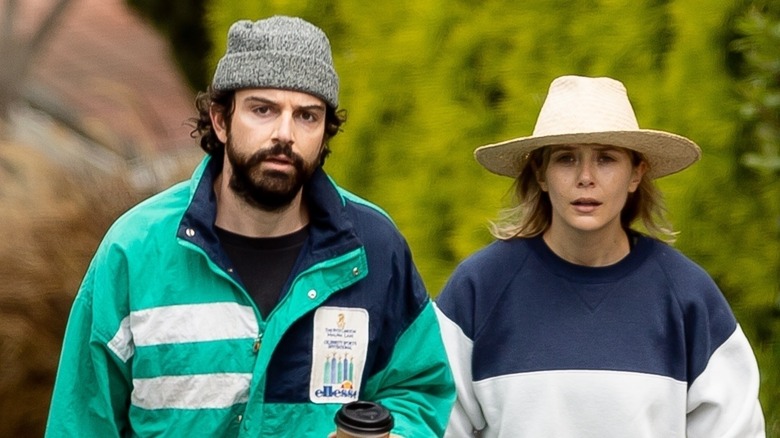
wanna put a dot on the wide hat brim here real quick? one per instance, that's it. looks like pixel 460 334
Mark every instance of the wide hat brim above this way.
pixel 665 152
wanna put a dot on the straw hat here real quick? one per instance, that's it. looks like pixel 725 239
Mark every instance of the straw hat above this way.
pixel 581 110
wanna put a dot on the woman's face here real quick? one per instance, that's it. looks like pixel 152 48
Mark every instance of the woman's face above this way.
pixel 588 186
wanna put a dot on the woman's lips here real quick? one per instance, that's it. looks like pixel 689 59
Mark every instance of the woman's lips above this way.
pixel 585 205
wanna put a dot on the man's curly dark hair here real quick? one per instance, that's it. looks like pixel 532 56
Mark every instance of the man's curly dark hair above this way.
pixel 223 102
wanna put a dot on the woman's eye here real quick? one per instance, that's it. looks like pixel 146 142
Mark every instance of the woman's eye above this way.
pixel 606 158
pixel 565 158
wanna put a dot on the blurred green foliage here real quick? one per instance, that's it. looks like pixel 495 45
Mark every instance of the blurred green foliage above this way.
pixel 757 75
pixel 427 81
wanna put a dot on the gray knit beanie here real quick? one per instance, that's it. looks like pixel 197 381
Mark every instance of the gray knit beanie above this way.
pixel 278 52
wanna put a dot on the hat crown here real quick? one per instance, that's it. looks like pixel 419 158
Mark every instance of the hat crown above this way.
pixel 283 34
pixel 278 52
pixel 577 104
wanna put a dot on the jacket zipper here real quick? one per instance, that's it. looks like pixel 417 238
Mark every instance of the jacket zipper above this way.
pixel 258 341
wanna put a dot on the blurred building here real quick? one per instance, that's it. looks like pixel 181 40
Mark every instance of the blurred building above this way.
pixel 102 90
pixel 91 124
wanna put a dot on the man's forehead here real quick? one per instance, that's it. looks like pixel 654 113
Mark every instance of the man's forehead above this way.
pixel 299 98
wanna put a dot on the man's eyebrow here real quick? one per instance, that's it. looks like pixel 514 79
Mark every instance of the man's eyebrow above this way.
pixel 312 107
pixel 259 99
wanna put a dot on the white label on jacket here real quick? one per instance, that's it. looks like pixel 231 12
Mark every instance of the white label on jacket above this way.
pixel 338 354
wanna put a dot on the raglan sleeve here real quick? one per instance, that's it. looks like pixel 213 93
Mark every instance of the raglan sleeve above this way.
pixel 454 309
pixel 723 372
pixel 416 384
pixel 92 386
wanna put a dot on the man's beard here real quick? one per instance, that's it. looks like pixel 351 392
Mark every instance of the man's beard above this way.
pixel 268 190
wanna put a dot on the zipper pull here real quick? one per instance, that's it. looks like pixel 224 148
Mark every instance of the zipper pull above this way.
pixel 258 341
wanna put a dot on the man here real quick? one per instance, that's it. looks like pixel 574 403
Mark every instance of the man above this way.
pixel 257 298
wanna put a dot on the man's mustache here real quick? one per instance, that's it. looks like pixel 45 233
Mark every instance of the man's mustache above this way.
pixel 277 149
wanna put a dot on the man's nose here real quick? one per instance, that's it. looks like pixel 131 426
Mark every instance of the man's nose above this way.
pixel 284 129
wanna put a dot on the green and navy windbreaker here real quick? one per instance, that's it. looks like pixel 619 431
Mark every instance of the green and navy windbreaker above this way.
pixel 163 340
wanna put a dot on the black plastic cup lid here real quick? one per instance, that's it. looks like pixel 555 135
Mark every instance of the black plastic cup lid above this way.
pixel 364 417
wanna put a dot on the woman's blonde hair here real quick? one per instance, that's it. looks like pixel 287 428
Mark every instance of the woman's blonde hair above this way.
pixel 532 214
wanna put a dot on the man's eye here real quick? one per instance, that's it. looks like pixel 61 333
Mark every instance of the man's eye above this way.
pixel 309 117
pixel 261 109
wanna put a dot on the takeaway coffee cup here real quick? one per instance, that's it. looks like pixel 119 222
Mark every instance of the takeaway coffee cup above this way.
pixel 363 419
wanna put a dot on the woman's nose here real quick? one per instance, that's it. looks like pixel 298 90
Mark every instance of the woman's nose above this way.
pixel 585 177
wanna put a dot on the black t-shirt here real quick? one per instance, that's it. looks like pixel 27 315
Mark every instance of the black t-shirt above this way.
pixel 263 263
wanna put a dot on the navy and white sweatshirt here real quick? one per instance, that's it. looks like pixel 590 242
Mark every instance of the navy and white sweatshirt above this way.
pixel 647 347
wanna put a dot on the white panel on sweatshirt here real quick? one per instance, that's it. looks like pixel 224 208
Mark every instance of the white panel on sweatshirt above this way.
pixel 466 411
pixel 583 404
pixel 724 398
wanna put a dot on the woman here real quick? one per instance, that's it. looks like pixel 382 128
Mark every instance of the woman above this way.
pixel 573 324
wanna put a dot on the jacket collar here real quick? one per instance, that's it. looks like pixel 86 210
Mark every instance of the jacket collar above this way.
pixel 331 230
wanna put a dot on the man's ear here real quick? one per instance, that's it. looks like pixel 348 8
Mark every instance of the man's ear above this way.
pixel 219 124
